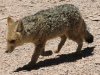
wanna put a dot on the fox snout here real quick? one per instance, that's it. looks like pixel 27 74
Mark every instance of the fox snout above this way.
pixel 9 49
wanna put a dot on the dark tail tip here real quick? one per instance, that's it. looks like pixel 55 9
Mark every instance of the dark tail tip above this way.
pixel 90 38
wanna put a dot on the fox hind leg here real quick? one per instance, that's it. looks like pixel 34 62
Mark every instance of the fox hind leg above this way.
pixel 80 44
pixel 63 40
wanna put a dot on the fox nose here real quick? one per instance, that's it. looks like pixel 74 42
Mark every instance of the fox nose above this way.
pixel 8 51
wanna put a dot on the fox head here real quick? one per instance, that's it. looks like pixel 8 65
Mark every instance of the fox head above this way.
pixel 14 36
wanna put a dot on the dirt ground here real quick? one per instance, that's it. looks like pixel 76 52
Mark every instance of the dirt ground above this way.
pixel 64 63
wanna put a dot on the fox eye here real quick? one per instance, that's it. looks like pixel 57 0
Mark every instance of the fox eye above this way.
pixel 12 41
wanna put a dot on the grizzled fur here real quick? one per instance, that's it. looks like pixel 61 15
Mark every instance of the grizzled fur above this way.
pixel 63 21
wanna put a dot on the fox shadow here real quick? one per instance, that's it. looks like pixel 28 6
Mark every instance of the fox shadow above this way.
pixel 72 57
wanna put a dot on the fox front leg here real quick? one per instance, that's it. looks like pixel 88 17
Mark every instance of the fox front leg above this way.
pixel 36 54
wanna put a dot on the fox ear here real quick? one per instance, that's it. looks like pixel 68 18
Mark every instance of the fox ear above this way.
pixel 10 21
pixel 20 26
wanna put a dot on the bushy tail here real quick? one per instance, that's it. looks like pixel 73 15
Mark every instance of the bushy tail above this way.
pixel 89 37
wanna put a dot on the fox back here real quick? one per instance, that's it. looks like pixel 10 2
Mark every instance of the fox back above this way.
pixel 52 22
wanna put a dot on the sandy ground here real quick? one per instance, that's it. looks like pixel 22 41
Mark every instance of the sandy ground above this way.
pixel 64 63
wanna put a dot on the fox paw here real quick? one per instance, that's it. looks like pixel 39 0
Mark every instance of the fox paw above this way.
pixel 57 51
pixel 47 53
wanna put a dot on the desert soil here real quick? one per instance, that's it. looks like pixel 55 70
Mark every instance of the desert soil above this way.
pixel 64 63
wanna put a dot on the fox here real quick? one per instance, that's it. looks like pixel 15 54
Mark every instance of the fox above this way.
pixel 64 21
